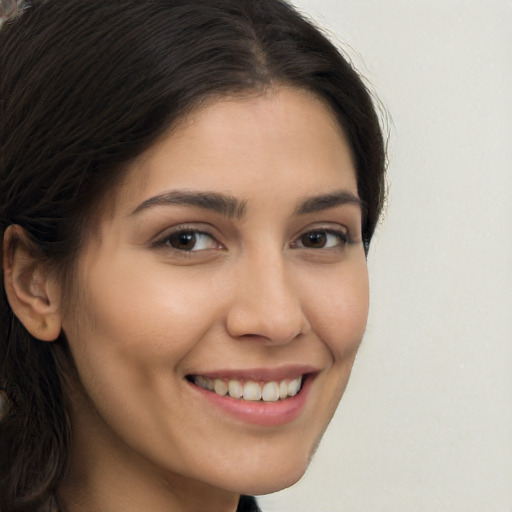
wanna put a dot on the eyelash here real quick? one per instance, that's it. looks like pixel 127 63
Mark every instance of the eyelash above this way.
pixel 344 238
pixel 165 242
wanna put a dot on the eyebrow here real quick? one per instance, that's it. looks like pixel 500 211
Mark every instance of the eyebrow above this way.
pixel 230 206
pixel 326 201
pixel 224 204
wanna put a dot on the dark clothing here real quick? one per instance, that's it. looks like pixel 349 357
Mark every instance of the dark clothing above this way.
pixel 247 504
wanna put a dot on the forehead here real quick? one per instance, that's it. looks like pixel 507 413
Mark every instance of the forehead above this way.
pixel 252 144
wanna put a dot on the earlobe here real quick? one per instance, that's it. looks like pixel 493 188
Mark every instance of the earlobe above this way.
pixel 33 294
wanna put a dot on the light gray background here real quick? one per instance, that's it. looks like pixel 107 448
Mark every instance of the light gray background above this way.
pixel 426 422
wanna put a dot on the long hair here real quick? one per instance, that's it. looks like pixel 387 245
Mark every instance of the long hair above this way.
pixel 85 87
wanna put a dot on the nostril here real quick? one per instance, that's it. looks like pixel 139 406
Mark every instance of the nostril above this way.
pixel 268 331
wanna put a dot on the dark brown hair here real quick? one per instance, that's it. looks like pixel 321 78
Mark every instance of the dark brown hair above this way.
pixel 85 87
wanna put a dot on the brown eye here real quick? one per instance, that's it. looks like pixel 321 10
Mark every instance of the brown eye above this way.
pixel 322 239
pixel 190 241
pixel 315 240
pixel 183 241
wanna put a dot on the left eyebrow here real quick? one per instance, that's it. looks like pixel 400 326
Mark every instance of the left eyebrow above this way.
pixel 326 201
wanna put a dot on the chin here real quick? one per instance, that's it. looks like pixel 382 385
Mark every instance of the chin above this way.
pixel 266 486
pixel 272 476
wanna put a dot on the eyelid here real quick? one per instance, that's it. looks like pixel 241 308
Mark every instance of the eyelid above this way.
pixel 340 231
pixel 161 241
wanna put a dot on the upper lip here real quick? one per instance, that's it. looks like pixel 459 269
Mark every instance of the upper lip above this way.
pixel 261 374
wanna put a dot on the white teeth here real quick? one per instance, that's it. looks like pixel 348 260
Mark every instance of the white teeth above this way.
pixel 293 387
pixel 220 387
pixel 253 391
pixel 236 389
pixel 283 389
pixel 270 392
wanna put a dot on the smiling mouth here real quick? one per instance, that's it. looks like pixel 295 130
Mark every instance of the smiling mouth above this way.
pixel 249 390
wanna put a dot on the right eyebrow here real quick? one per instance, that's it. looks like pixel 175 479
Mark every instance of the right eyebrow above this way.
pixel 224 204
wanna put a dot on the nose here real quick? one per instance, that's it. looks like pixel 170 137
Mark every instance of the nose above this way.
pixel 266 304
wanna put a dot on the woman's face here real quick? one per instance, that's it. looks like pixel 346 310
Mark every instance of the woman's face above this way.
pixel 231 264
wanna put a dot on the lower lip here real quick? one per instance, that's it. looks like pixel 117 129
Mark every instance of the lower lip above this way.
pixel 265 414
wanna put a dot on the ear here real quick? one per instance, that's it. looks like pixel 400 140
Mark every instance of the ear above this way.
pixel 34 296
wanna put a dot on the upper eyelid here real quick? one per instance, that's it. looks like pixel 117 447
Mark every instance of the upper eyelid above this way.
pixel 185 228
pixel 343 234
pixel 331 227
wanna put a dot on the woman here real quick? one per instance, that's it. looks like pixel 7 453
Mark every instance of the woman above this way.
pixel 188 193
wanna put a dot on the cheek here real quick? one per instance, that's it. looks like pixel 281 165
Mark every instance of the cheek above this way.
pixel 136 327
pixel 144 306
pixel 339 311
pixel 135 331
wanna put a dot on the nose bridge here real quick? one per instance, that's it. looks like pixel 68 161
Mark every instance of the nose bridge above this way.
pixel 266 303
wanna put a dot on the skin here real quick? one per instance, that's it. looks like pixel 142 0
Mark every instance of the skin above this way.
pixel 251 294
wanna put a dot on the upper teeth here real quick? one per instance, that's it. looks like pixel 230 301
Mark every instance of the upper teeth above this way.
pixel 251 390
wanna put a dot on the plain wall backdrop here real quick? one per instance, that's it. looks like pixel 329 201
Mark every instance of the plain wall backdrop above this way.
pixel 426 422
